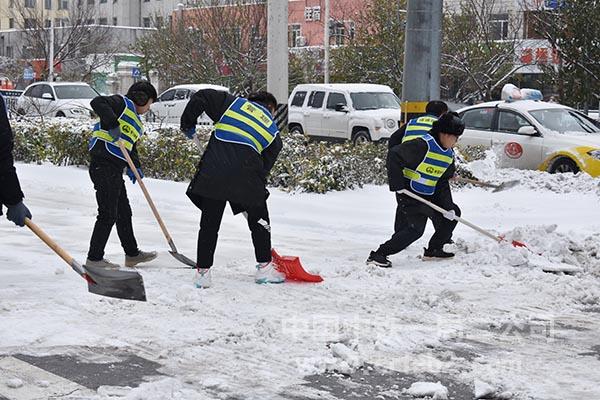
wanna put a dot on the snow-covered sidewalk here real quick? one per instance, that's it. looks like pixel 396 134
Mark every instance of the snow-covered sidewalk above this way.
pixel 490 315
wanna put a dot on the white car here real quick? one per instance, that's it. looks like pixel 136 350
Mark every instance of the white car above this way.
pixel 57 99
pixel 534 135
pixel 359 112
pixel 171 103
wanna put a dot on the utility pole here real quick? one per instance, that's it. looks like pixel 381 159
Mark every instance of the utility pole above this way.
pixel 422 52
pixel 51 53
pixel 277 49
pixel 326 44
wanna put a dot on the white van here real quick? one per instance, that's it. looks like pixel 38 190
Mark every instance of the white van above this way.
pixel 360 112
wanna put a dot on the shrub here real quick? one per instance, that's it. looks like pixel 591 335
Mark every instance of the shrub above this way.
pixel 165 153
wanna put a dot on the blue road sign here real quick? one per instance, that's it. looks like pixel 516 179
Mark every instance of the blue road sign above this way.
pixel 28 74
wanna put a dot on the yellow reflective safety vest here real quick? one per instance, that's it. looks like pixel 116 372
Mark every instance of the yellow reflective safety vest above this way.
pixel 131 128
pixel 417 127
pixel 247 123
pixel 425 177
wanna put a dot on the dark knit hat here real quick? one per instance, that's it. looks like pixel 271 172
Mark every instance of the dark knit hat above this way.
pixel 449 123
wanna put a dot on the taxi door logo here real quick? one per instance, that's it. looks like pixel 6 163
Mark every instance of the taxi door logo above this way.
pixel 513 150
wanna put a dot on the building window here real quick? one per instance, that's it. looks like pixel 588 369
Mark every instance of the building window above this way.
pixel 30 3
pixel 11 23
pixel 295 32
pixel 47 23
pixel 91 2
pixel 90 21
pixel 9 52
pixel 115 22
pixel 103 21
pixel 499 26
pixel 337 30
pixel 63 4
pixel 146 22
pixel 159 22
pixel 102 1
pixel 48 4
pixel 11 3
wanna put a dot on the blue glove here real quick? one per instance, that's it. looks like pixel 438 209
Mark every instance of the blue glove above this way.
pixel 190 132
pixel 131 175
pixel 115 133
pixel 18 213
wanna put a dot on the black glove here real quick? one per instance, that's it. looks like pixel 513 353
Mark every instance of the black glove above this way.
pixel 18 213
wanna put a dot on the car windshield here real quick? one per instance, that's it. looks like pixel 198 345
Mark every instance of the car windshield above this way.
pixel 374 100
pixel 75 92
pixel 563 120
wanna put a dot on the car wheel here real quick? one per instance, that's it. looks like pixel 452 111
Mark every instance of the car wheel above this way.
pixel 296 130
pixel 564 165
pixel 60 114
pixel 361 137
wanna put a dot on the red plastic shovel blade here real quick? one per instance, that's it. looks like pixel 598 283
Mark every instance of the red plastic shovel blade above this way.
pixel 292 268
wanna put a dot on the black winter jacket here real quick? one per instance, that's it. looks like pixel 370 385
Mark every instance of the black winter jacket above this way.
pixel 227 171
pixel 10 189
pixel 109 109
pixel 410 154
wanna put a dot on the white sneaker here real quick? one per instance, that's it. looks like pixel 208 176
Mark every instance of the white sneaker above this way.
pixel 267 273
pixel 203 278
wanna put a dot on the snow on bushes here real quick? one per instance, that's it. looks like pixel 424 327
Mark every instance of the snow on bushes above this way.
pixel 167 154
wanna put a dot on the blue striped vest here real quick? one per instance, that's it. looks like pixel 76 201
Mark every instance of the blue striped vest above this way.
pixel 247 123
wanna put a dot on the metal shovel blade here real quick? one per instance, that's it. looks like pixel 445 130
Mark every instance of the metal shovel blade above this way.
pixel 127 285
pixel 506 185
pixel 183 259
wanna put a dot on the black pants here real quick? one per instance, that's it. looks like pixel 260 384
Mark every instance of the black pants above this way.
pixel 210 222
pixel 113 208
pixel 409 226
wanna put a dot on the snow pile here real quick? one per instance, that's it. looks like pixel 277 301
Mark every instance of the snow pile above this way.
pixel 436 391
pixel 487 170
pixel 546 248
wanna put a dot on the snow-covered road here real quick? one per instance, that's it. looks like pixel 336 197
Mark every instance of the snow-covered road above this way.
pixel 490 315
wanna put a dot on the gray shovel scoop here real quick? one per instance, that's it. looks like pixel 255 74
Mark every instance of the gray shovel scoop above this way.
pixel 127 285
pixel 497 188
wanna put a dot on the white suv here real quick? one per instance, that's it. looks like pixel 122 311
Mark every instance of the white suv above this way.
pixel 359 112
pixel 57 99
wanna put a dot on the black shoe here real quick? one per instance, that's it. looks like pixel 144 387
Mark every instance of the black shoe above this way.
pixel 436 254
pixel 379 260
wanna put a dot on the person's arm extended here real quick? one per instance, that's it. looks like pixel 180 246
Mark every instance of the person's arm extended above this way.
pixel 10 189
pixel 213 102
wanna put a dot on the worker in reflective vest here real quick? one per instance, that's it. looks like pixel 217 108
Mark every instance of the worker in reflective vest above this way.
pixel 119 120
pixel 422 164
pixel 420 125
pixel 240 153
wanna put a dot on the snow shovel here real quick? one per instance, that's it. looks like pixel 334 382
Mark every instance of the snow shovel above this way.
pixel 497 188
pixel 439 209
pixel 289 265
pixel 127 285
pixel 178 256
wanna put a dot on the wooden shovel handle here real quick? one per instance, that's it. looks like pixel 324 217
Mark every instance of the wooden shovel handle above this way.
pixel 443 211
pixel 133 168
pixel 48 240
